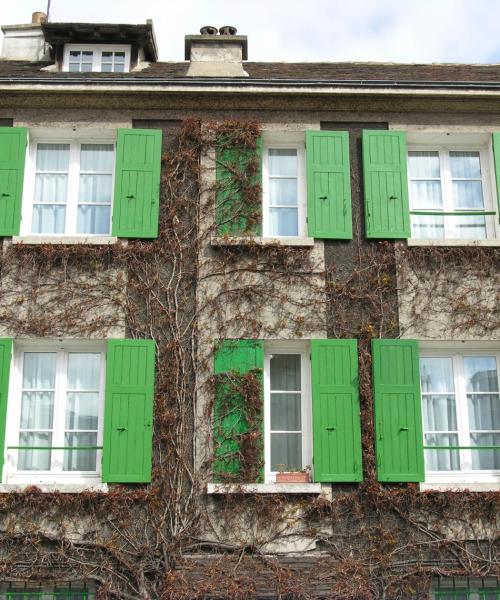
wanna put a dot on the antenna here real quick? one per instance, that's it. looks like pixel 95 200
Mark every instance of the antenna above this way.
pixel 48 10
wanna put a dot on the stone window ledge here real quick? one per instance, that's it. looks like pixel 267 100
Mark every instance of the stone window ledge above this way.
pixel 460 487
pixel 305 242
pixel 469 243
pixel 267 488
pixel 70 239
pixel 63 488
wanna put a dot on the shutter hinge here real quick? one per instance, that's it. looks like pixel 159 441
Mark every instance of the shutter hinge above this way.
pixel 307 219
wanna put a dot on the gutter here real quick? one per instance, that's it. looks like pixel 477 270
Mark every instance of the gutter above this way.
pixel 244 85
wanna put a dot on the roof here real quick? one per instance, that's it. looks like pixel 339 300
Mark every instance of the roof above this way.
pixel 334 73
pixel 57 34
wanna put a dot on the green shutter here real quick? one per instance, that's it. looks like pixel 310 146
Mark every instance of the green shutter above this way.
pixel 496 155
pixel 232 410
pixel 335 408
pixel 398 417
pixel 137 183
pixel 13 142
pixel 329 213
pixel 128 412
pixel 5 358
pixel 234 213
pixel 387 211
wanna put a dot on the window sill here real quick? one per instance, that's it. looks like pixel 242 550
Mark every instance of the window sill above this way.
pixel 418 242
pixel 446 486
pixel 266 488
pixel 305 242
pixel 62 488
pixel 70 239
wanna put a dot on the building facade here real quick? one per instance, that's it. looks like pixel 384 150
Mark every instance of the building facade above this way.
pixel 250 337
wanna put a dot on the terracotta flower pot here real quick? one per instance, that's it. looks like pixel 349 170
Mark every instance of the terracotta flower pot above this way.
pixel 293 477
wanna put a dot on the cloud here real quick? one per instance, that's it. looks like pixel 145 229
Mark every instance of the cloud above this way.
pixel 289 30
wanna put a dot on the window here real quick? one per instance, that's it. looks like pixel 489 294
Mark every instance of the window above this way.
pixel 451 191
pixel 463 588
pixel 55 414
pixel 69 187
pixel 91 58
pixel 69 594
pixel 287 409
pixel 461 415
pixel 284 190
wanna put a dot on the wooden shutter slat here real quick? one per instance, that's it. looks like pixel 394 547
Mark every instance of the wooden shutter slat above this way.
pixel 137 183
pixel 398 417
pixel 329 212
pixel 233 215
pixel 387 211
pixel 234 358
pixel 496 156
pixel 5 360
pixel 336 417
pixel 13 142
pixel 128 411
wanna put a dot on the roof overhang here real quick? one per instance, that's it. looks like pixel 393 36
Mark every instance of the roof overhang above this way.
pixel 142 35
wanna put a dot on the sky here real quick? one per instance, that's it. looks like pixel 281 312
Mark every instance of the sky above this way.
pixel 309 30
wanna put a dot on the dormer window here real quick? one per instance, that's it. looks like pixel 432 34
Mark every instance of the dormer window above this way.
pixel 91 58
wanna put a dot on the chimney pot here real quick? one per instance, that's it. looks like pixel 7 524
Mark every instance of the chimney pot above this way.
pixel 228 30
pixel 37 18
pixel 208 30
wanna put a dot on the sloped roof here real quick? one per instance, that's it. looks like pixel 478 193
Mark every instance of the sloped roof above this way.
pixel 342 73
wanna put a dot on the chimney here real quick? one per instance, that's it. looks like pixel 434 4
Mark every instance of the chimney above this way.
pixel 25 42
pixel 216 53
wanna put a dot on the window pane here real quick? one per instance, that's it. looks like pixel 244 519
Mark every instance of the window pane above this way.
pixel 37 410
pixel 283 192
pixel 426 195
pixel 423 164
pixel 285 372
pixel 468 195
pixel 465 165
pixel 106 67
pixel 285 412
pixel 439 413
pixel 118 68
pixel 84 371
pixel 97 158
pixel 93 219
pixel 481 373
pixel 427 227
pixel 436 375
pixel 284 221
pixel 485 459
pixel 50 187
pixel 86 67
pixel 286 451
pixel 95 188
pixel 74 67
pixel 119 57
pixel 34 460
pixel 52 157
pixel 80 460
pixel 283 162
pixel 48 218
pixel 484 411
pixel 82 410
pixel 39 370
pixel 441 460
pixel 467 227
pixel 107 56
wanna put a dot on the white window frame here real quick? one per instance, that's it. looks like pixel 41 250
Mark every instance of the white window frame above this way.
pixel 445 145
pixel 282 144
pixel 288 347
pixel 97 54
pixel 56 476
pixel 75 140
pixel 466 476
